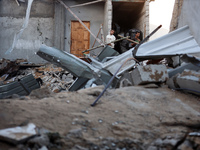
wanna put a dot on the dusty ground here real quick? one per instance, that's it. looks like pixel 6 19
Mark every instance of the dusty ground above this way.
pixel 128 113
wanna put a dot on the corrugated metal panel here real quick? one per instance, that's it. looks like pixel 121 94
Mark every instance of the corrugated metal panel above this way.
pixel 177 42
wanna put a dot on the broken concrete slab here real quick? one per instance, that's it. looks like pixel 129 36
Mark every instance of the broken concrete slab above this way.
pixel 189 81
pixel 181 68
pixel 191 59
pixel 149 74
pixel 126 80
pixel 18 134
pixel 171 82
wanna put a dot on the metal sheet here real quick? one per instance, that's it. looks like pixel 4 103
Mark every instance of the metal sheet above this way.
pixel 71 63
pixel 177 42
pixel 113 64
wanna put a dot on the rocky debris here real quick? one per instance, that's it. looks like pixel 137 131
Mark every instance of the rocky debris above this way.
pixel 41 93
pixel 18 134
pixel 180 69
pixel 187 81
pixel 95 91
pixel 145 75
pixel 126 118
pixel 74 140
pixel 55 78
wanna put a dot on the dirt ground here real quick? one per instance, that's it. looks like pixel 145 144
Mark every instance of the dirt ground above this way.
pixel 134 112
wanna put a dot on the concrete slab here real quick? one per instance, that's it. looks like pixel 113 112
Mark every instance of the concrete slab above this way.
pixel 149 74
pixel 189 81
pixel 18 134
pixel 181 68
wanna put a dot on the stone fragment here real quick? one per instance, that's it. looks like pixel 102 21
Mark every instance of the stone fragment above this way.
pixel 149 74
pixel 189 81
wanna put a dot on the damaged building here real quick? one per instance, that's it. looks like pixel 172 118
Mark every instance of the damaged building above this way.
pixel 51 24
pixel 55 66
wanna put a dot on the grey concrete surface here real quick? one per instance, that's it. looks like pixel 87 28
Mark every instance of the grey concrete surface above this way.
pixel 149 74
pixel 39 31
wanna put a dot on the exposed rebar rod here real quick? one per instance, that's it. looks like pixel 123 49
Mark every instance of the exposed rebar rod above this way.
pixel 110 81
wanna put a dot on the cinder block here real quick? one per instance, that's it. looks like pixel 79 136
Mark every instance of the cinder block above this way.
pixel 149 74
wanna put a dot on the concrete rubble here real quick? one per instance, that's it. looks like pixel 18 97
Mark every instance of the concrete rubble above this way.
pixel 56 79
pixel 143 109
pixel 187 81
pixel 18 135
pixel 149 74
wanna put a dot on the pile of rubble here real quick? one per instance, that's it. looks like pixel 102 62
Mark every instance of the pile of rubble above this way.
pixel 55 78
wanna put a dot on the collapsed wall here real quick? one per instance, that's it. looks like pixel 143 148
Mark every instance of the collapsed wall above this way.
pixel 39 31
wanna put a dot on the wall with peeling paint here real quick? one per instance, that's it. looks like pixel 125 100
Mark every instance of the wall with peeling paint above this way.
pixel 40 28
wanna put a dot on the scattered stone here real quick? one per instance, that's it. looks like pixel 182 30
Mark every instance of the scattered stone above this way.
pixel 116 111
pixel 95 91
pixel 42 140
pixel 41 93
pixel 75 133
pixel 43 148
pixel 100 121
pixel 23 132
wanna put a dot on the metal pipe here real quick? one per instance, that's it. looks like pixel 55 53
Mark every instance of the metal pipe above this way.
pixel 138 45
pixel 110 81
pixel 105 44
pixel 128 39
pixel 100 42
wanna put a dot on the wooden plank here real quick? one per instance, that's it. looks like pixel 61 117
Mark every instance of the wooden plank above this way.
pixel 80 38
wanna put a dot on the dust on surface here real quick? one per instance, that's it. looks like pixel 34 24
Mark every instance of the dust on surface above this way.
pixel 131 112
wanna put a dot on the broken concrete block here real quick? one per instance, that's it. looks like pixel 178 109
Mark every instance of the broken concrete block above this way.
pixel 180 69
pixel 189 81
pixel 126 80
pixel 18 134
pixel 171 82
pixel 149 74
